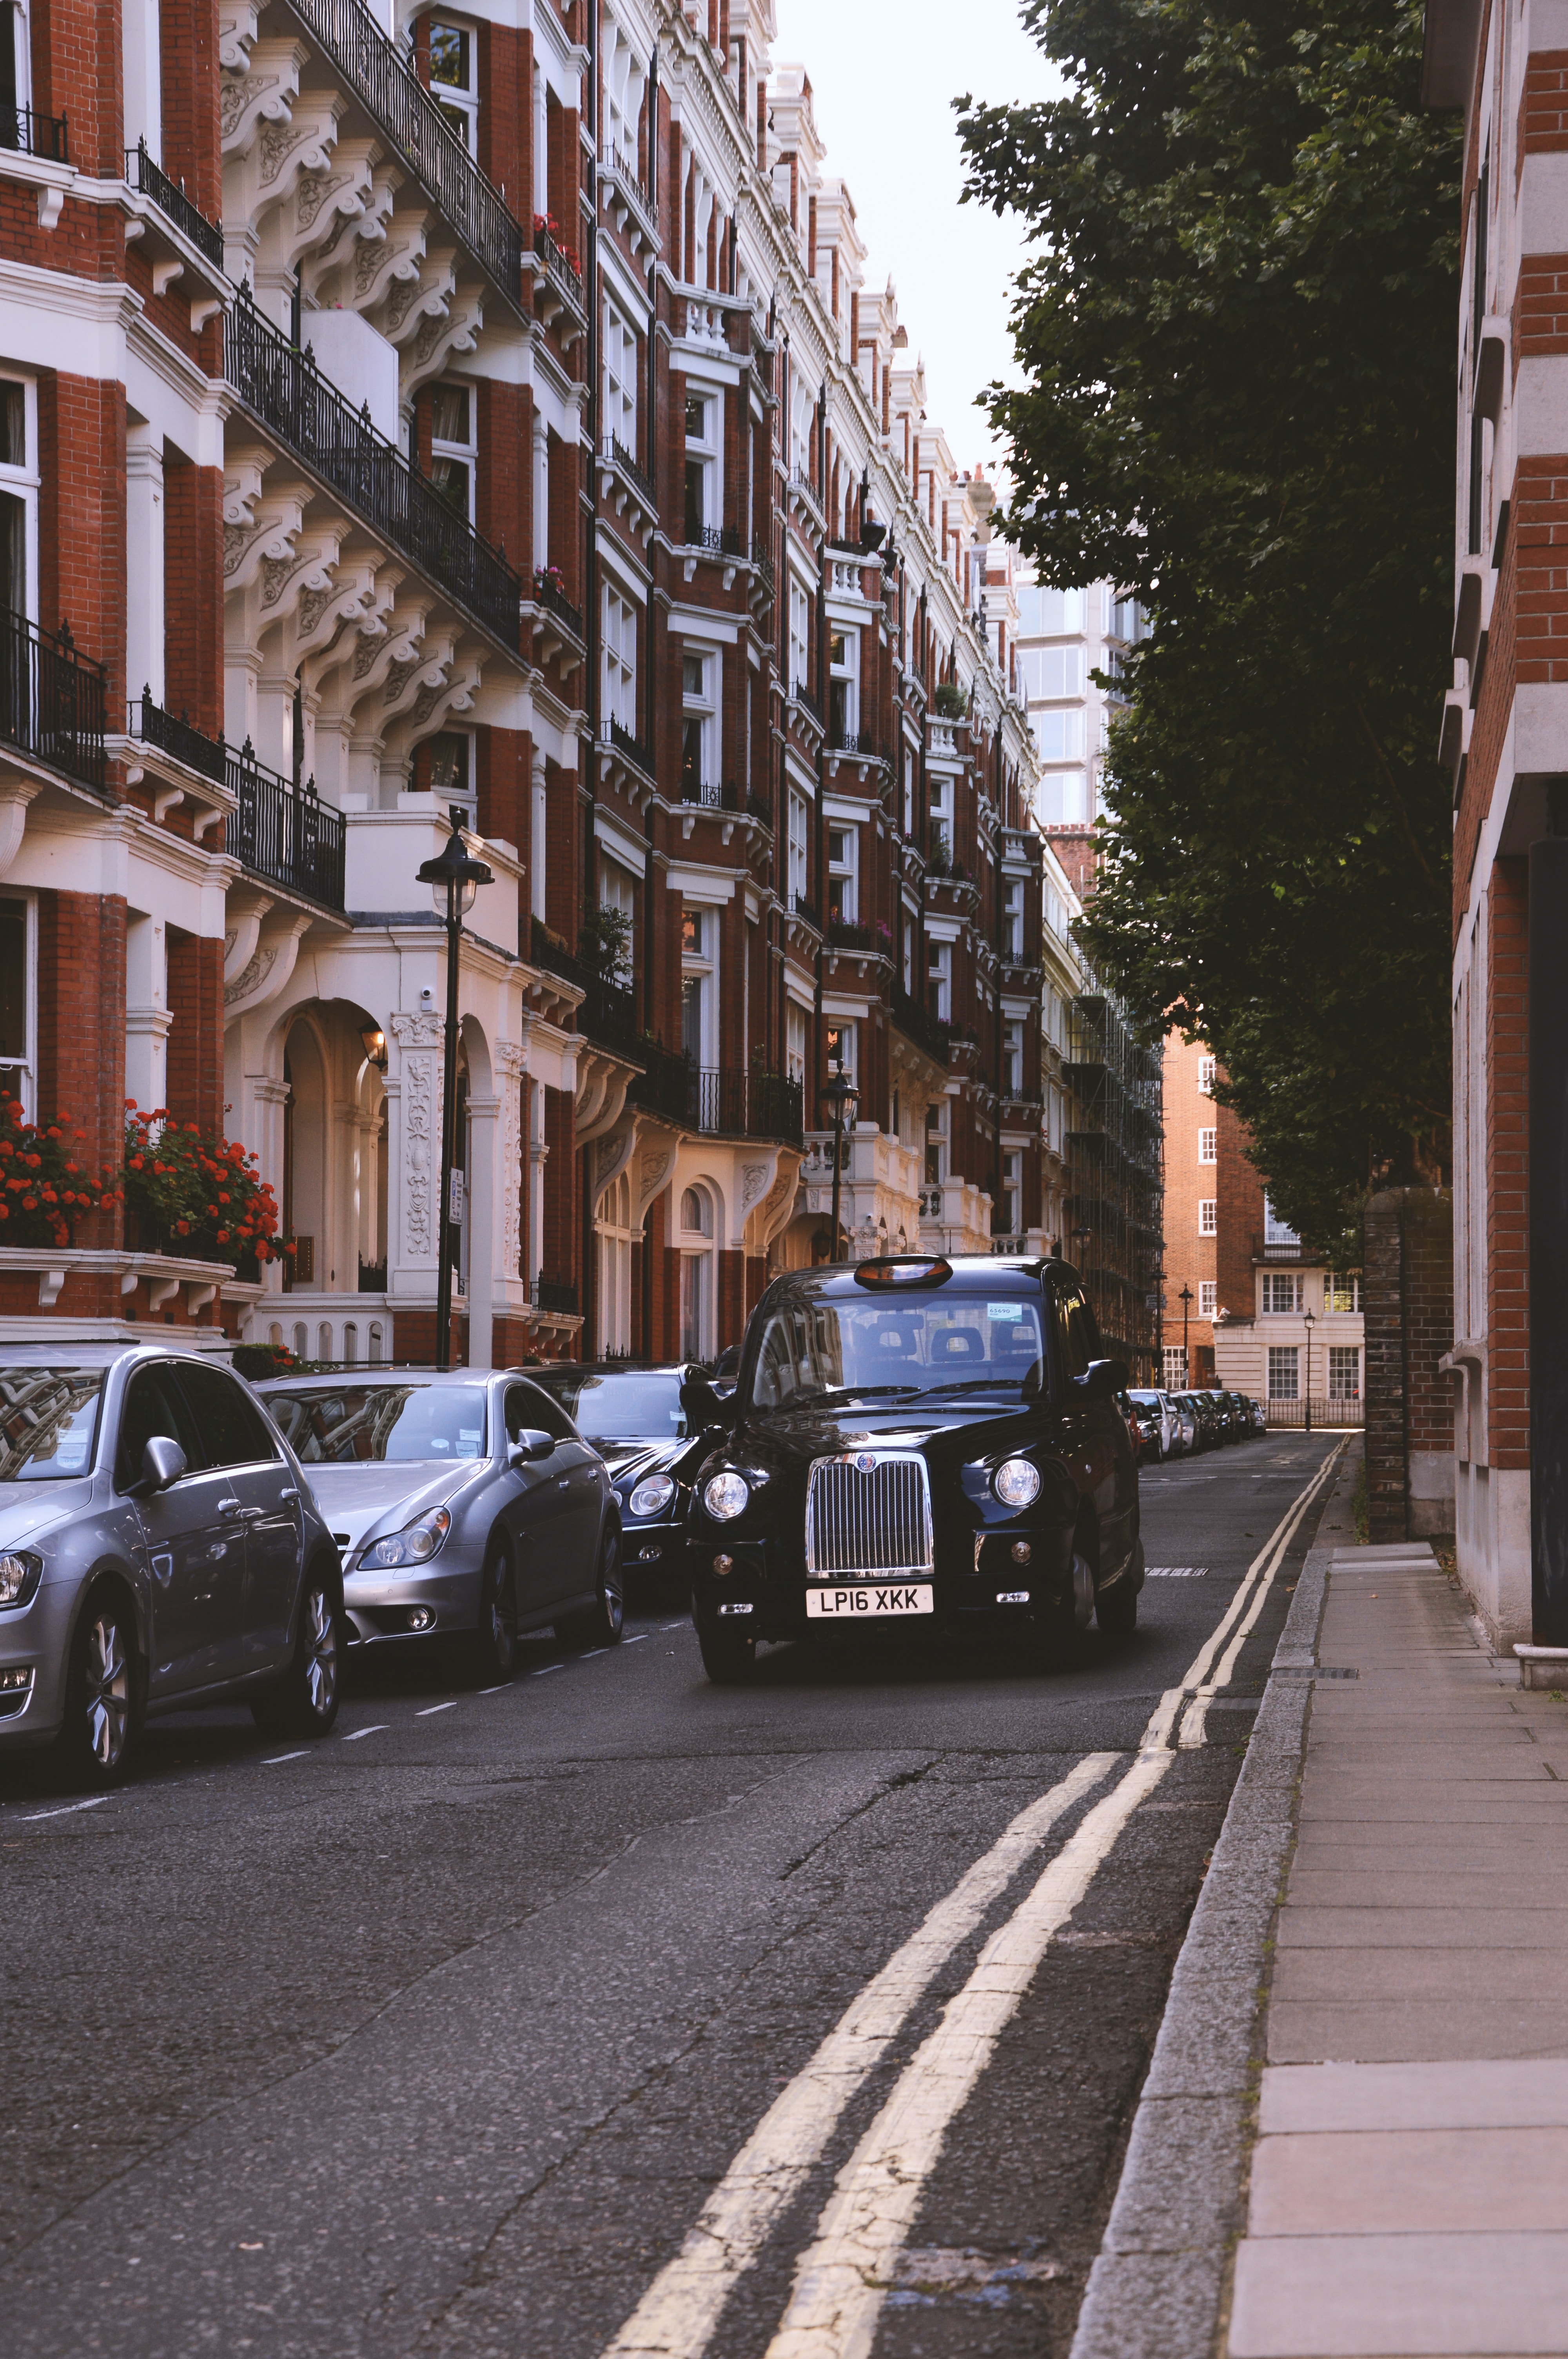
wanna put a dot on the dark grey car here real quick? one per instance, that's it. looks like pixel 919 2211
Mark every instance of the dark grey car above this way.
pixel 158 1549
pixel 463 1502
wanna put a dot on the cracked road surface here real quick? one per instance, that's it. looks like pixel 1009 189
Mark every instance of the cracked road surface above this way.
pixel 611 2011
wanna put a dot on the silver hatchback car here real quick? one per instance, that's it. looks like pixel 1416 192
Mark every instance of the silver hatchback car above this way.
pixel 463 1501
pixel 158 1549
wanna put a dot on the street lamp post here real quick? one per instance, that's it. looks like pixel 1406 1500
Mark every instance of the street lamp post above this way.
pixel 454 879
pixel 840 1093
pixel 1310 1322
pixel 1185 1299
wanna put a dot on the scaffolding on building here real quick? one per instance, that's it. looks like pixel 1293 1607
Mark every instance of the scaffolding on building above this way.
pixel 1115 1166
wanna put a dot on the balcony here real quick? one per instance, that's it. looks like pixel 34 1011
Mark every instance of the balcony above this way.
pixel 1287 1251
pixel 613 452
pixel 24 133
pixel 807 911
pixel 629 748
pixel 625 197
pixel 846 934
pixel 283 832
pixel 720 1101
pixel 551 1295
pixel 804 493
pixel 149 179
pixel 380 78
pixel 286 391
pixel 52 699
pixel 927 1031
pixel 856 744
pixel 178 738
pixel 561 287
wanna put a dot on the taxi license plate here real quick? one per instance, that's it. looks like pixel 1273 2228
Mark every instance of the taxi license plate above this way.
pixel 869 1597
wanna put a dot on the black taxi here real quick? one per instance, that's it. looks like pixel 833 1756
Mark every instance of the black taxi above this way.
pixel 914 1440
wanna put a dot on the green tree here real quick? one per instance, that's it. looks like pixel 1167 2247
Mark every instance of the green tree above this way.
pixel 1237 333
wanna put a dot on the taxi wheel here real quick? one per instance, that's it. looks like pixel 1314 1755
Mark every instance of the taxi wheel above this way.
pixel 304 1702
pixel 729 1656
pixel 1116 1610
pixel 495 1641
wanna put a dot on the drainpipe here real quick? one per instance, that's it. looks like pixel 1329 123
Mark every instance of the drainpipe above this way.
pixel 591 601
pixel 1547 1037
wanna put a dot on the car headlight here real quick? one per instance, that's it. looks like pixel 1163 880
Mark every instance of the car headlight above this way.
pixel 20 1573
pixel 417 1543
pixel 1016 1483
pixel 725 1496
pixel 652 1497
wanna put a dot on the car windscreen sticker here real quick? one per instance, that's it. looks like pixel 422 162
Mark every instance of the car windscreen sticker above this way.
pixel 1009 1311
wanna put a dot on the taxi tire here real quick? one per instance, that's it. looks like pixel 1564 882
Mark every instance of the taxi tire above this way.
pixel 1116 1610
pixel 729 1656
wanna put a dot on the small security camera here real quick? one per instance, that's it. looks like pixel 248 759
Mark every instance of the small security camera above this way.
pixel 426 997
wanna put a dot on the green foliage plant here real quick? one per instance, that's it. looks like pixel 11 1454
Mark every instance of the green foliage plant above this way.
pixel 1238 334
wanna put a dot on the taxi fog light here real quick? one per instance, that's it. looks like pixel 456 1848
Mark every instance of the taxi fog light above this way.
pixel 1016 1483
pixel 723 1564
pixel 652 1497
pixel 1021 1551
pixel 726 1496
pixel 734 1609
pixel 1012 1597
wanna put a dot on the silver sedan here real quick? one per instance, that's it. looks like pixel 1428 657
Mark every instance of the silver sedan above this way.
pixel 463 1501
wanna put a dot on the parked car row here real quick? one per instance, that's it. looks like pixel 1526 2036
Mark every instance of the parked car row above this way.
pixel 1176 1425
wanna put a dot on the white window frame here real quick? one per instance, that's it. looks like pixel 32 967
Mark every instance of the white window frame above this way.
pixel 1176 1368
pixel 799 638
pixel 1208 1216
pixel 621 379
pixel 620 659
pixel 798 826
pixel 1283 1293
pixel 1336 1283
pixel 1284 1361
pixel 939 970
pixel 1344 1354
pixel 1275 1231
pixel 1012 919
pixel 940 822
pixel 1013 1190
pixel 467 452
pixel 1013 1058
pixel 844 869
pixel 24 482
pixel 461 102
pixel 1207 1066
pixel 703 451
pixel 795 1039
pixel 1208 1147
pixel 19 1075
pixel 1058 733
pixel 844 1035
pixel 1208 1297
pixel 697 1246
pixel 700 966
pixel 844 672
pixel 700 706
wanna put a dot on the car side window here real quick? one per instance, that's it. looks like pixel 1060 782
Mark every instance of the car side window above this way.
pixel 231 1430
pixel 153 1405
pixel 531 1404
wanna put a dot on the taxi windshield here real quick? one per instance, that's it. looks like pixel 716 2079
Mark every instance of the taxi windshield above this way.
pixel 964 1339
pixel 48 1418
pixel 356 1425
pixel 615 1407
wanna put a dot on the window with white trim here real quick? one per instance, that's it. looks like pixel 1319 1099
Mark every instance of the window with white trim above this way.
pixel 452 768
pixel 699 985
pixel 700 723
pixel 454 77
pixel 1059 734
pixel 941 840
pixel 1282 1291
pixel 1206 1147
pixel 702 413
pixel 621 379
pixel 621 890
pixel 908 793
pixel 619 660
pixel 1062 798
pixel 1012 1191
pixel 18 997
pixel 19 497
pixel 1208 1297
pixel 1047 672
pixel 1208 1216
pixel 1343 1372
pixel 1012 919
pixel 939 981
pixel 1284 1372
pixel 694 1244
pixel 794 1041
pixel 843 684
pixel 1012 1061
pixel 795 848
pixel 843 1056
pixel 1341 1293
pixel 1275 1231
pixel 1205 1076
pixel 454 446
pixel 843 873
pixel 936 1142
pixel 799 638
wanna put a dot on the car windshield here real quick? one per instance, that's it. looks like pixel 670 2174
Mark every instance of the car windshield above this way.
pixel 631 1407
pixel 49 1422
pixel 966 1338
pixel 356 1425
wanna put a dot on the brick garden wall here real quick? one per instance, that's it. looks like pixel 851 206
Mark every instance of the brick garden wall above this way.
pixel 1408 1299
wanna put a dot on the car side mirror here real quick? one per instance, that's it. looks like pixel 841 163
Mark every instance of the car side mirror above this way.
pixel 530 1445
pixel 162 1463
pixel 704 1405
pixel 1101 1380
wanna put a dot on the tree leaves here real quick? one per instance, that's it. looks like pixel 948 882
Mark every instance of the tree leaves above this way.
pixel 1237 327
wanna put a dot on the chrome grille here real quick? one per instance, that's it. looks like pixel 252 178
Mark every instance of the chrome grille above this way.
pixel 867 1514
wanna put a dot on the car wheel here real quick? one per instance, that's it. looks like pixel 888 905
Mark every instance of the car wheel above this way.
pixel 304 1702
pixel 729 1656
pixel 495 1642
pixel 1116 1610
pixel 103 1713
pixel 602 1624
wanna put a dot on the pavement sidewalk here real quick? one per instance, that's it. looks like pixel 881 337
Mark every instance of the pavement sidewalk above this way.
pixel 1408 2190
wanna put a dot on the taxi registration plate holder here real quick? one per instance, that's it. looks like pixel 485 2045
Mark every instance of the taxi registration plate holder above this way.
pixel 865 1599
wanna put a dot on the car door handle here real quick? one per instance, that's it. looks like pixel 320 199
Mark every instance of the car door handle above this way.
pixel 233 1509
pixel 290 1493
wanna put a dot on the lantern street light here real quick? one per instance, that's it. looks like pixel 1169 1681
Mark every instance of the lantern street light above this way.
pixel 1310 1323
pixel 1185 1299
pixel 454 879
pixel 841 1094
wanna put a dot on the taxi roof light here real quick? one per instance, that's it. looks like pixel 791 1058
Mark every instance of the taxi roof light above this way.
pixel 903 1269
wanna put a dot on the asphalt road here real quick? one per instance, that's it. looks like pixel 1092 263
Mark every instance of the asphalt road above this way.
pixel 438 2037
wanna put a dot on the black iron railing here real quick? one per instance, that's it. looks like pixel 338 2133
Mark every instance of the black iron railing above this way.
pixel 856 741
pixel 631 748
pixel 386 87
pixel 801 907
pixel 556 602
pixel 845 934
pixel 917 1024
pixel 609 1015
pixel 760 808
pixel 761 558
pixel 551 1294
pixel 708 795
pixel 284 387
pixel 801 694
pixel 52 701
pixel 662 1085
pixel 562 269
pixel 150 179
pixel 198 752
pixel 28 134
pixel 615 450
pixel 718 539
pixel 284 832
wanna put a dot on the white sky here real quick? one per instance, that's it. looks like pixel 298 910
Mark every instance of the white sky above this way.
pixel 883 74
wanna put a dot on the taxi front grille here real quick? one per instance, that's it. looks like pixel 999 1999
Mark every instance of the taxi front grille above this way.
pixel 868 1514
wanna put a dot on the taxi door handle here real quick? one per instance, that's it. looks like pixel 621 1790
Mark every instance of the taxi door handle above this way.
pixel 233 1509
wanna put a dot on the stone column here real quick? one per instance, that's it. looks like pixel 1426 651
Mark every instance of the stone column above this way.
pixel 485 1134
pixel 145 551
pixel 414 1150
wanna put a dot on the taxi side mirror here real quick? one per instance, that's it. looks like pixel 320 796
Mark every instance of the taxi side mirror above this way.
pixel 704 1405
pixel 531 1444
pixel 1101 1380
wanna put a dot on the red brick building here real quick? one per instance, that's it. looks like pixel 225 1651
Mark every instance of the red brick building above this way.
pixel 492 417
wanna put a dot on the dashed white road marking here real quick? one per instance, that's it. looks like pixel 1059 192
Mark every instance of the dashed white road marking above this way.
pixel 378 1728
pixel 588 1656
pixel 425 1712
pixel 681 2307
pixel 65 1809
pixel 636 1638
pixel 547 1667
pixel 272 1759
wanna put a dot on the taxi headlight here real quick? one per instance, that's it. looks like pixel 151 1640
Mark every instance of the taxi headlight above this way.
pixel 1016 1483
pixel 726 1496
pixel 417 1543
pixel 652 1497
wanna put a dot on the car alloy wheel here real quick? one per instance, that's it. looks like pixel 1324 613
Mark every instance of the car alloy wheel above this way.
pixel 108 1682
pixel 321 1655
pixel 611 1589
pixel 495 1642
pixel 304 1702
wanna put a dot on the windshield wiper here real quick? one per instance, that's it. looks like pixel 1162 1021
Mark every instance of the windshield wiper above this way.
pixel 976 1385
pixel 853 1392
